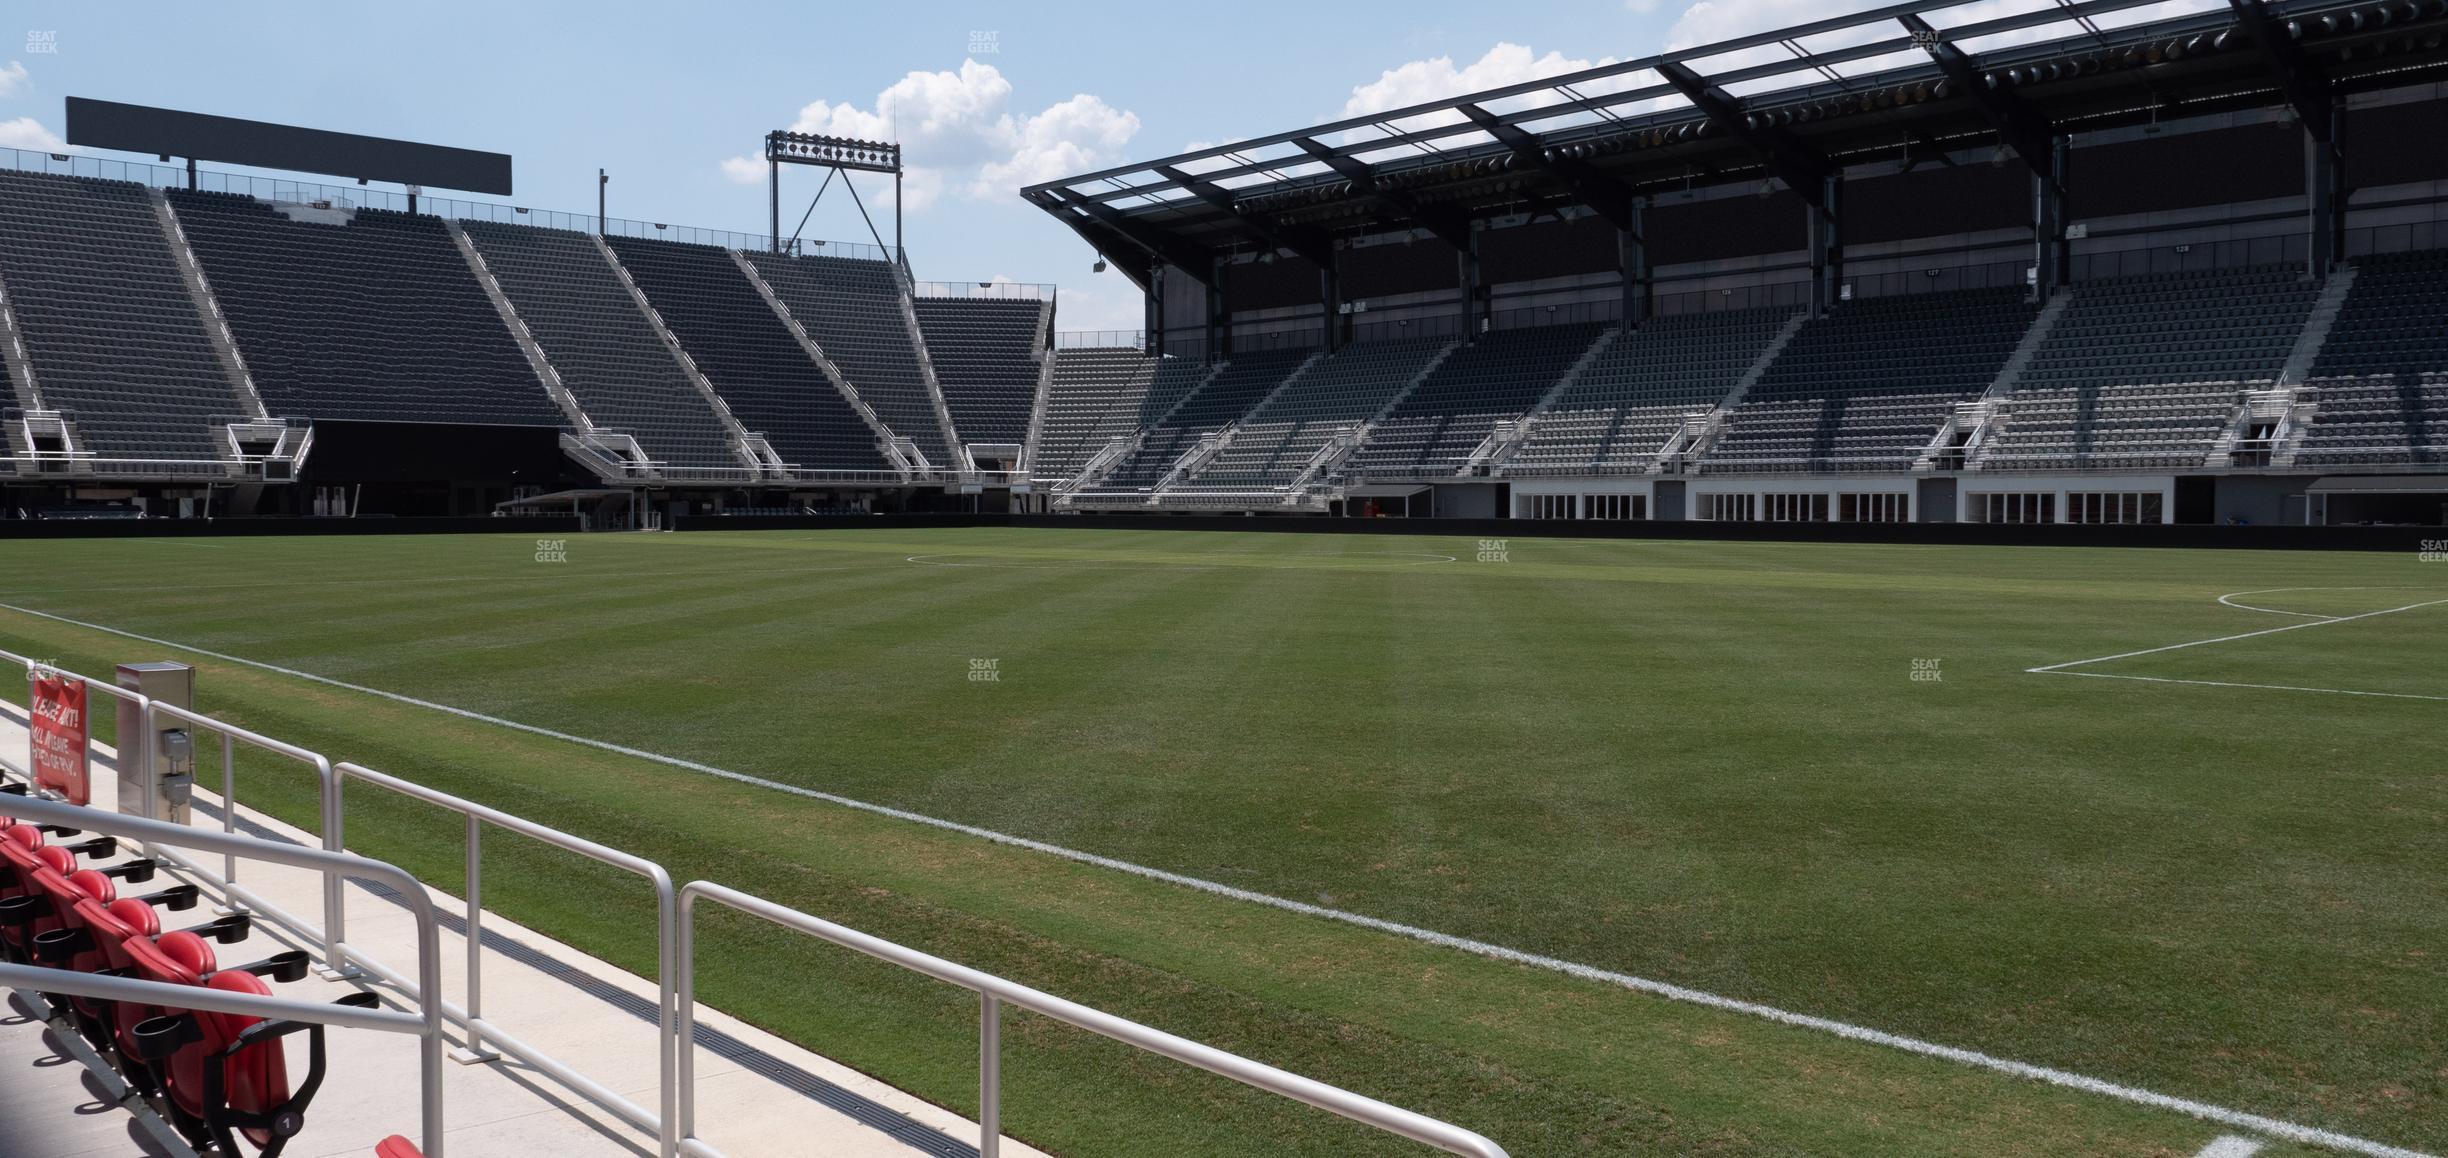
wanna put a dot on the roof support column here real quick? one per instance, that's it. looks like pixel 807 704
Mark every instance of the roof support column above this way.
pixel 1474 289
pixel 2325 182
pixel 2052 256
pixel 1330 300
pixel 1219 317
pixel 1827 242
pixel 1156 308
pixel 1632 253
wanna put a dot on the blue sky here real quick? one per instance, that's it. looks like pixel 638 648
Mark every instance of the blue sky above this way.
pixel 663 95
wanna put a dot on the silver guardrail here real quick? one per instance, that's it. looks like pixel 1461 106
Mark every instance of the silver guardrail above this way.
pixel 994 993
pixel 470 1015
pixel 673 1126
pixel 158 837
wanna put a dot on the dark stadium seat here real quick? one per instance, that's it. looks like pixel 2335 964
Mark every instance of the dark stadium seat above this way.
pixel 1436 427
pixel 1100 394
pixel 852 309
pixel 1866 387
pixel 601 345
pixel 2382 377
pixel 112 334
pixel 1208 407
pixel 377 320
pixel 760 370
pixel 2124 427
pixel 984 351
pixel 1274 442
pixel 2147 372
pixel 1638 392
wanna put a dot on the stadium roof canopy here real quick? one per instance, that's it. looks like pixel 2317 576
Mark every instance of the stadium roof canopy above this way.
pixel 1906 82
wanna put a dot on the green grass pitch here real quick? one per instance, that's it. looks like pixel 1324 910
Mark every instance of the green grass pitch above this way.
pixel 1814 777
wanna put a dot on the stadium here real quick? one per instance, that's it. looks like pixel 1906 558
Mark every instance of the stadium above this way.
pixel 1869 585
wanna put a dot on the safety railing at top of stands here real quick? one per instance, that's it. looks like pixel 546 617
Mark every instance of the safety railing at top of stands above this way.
pixel 470 1015
pixel 1100 339
pixel 158 837
pixel 288 191
pixel 996 992
pixel 1013 290
pixel 675 946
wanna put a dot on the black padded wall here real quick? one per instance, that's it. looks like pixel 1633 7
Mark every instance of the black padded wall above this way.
pixel 2186 170
pixel 1746 226
pixel 1286 281
pixel 2393 144
pixel 1935 202
pixel 1423 265
pixel 1545 249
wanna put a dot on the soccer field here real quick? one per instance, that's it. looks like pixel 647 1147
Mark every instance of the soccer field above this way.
pixel 1823 779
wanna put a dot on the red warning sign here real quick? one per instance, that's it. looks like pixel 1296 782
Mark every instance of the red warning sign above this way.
pixel 60 729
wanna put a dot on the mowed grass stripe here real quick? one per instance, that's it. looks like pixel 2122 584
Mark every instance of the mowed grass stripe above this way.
pixel 1720 1086
pixel 1783 769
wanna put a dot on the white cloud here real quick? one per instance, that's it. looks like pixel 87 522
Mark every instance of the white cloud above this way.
pixel 1077 135
pixel 1436 78
pixel 1439 78
pixel 28 133
pixel 13 79
pixel 960 132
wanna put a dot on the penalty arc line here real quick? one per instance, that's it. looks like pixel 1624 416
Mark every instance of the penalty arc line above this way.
pixel 2259 1124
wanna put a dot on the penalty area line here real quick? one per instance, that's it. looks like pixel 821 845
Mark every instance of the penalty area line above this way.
pixel 2205 1111
pixel 2059 667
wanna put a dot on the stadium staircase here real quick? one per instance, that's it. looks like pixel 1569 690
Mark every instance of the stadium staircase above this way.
pixel 1100 403
pixel 359 315
pixel 637 406
pixel 2154 373
pixel 751 359
pixel 1865 388
pixel 1215 403
pixel 1434 430
pixel 908 461
pixel 1041 356
pixel 851 310
pixel 1320 405
pixel 2378 388
pixel 1509 437
pixel 112 354
pixel 986 354
pixel 609 455
pixel 199 292
pixel 956 452
pixel 1650 397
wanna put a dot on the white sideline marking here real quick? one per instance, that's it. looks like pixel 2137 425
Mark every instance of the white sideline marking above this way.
pixel 2316 621
pixel 931 560
pixel 2274 1127
pixel 2233 638
pixel 2230 1146
pixel 2101 675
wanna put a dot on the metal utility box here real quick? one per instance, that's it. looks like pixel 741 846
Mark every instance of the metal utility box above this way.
pixel 156 771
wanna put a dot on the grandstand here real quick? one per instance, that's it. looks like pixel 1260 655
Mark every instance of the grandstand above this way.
pixel 1381 825
pixel 2012 268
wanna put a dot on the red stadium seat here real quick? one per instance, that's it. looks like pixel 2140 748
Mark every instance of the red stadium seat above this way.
pixel 226 1076
pixel 397 1147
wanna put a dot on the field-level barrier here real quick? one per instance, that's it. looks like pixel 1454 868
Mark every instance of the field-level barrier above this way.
pixel 671 1122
